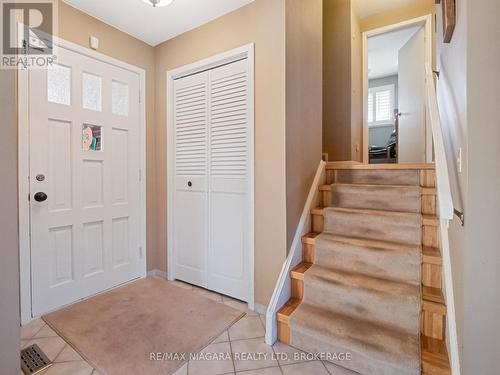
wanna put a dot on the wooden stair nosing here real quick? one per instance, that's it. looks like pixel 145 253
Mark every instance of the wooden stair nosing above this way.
pixel 288 308
pixel 434 295
pixel 428 190
pixel 355 165
pixel 431 255
pixel 423 190
pixel 430 220
pixel 317 211
pixel 309 238
pixel 298 271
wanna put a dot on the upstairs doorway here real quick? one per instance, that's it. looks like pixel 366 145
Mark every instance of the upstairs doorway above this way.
pixel 395 129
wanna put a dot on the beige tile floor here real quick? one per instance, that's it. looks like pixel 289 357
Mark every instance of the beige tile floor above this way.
pixel 246 336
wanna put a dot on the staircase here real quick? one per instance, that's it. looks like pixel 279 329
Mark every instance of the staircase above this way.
pixel 370 279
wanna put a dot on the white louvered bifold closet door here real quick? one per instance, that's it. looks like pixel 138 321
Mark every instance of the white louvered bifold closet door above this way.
pixel 228 180
pixel 211 198
pixel 191 178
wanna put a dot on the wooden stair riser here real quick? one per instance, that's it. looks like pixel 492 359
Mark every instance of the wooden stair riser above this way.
pixel 433 320
pixel 432 275
pixel 284 332
pixel 330 176
pixel 430 236
pixel 308 249
pixel 429 204
pixel 326 198
pixel 317 220
pixel 432 268
pixel 428 178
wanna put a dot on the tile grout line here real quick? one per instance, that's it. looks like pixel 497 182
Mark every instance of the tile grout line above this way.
pixel 274 352
pixel 326 368
pixel 37 331
pixel 231 350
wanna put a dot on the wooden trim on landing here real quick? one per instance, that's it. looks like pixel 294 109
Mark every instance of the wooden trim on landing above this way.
pixel 357 165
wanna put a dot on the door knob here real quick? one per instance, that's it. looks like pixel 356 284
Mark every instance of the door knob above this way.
pixel 190 183
pixel 40 196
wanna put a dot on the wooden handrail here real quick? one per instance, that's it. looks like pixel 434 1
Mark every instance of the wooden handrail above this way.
pixel 446 209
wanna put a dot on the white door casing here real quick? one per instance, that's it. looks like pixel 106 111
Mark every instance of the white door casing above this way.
pixel 427 23
pixel 88 236
pixel 211 186
pixel 412 100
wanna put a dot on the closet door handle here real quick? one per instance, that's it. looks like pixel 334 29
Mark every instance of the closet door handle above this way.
pixel 40 196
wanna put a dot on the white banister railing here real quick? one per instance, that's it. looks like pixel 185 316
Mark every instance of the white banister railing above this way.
pixel 442 178
pixel 446 211
pixel 282 290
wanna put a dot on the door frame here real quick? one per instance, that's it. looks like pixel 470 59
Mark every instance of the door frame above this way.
pixel 423 20
pixel 24 168
pixel 246 51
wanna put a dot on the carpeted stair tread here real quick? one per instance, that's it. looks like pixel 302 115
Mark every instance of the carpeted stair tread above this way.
pixel 389 260
pixel 379 300
pixel 402 227
pixel 379 197
pixel 375 349
pixel 378 177
pixel 363 242
pixel 357 281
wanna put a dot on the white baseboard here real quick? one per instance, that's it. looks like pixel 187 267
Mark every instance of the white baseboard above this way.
pixel 261 309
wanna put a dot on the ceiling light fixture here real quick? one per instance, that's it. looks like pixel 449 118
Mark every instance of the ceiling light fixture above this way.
pixel 158 3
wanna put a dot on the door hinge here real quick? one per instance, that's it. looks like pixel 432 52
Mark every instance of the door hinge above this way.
pixel 140 252
pixel 140 98
pixel 140 174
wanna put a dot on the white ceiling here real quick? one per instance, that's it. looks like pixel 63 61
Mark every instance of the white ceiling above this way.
pixel 365 8
pixel 383 51
pixel 155 25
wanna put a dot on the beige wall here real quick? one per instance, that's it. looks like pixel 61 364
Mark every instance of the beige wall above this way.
pixel 337 79
pixel 304 92
pixel 76 27
pixel 263 23
pixel 342 81
pixel 375 21
pixel 9 246
pixel 481 330
pixel 468 93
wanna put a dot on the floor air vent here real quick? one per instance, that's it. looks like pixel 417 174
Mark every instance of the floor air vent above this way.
pixel 34 360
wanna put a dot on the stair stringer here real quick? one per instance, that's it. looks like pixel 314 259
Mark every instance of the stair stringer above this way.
pixel 283 289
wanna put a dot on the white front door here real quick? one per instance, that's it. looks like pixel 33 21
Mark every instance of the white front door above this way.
pixel 212 226
pixel 85 196
pixel 411 91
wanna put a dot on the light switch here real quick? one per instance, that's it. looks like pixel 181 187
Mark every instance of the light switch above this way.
pixel 94 42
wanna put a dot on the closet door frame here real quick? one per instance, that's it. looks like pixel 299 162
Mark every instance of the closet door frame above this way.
pixel 243 52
